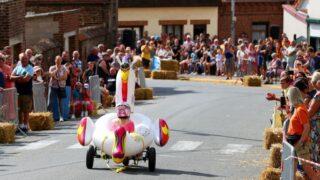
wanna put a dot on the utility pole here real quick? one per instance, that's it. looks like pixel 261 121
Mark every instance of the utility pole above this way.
pixel 233 19
pixel 111 22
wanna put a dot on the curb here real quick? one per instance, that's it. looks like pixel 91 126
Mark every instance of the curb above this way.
pixel 220 81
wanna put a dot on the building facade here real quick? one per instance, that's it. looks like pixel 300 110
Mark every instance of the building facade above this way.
pixel 254 19
pixel 12 28
pixel 302 21
pixel 171 17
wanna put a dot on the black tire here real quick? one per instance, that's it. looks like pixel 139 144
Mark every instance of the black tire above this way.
pixel 90 157
pixel 126 161
pixel 152 159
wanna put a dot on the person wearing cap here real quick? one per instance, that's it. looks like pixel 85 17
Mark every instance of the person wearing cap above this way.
pixel 37 77
pixel 188 43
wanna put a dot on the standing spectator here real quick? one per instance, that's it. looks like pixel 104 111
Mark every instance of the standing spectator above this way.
pixel 88 72
pixel 219 60
pixel 314 60
pixel 146 55
pixel 229 60
pixel 291 54
pixel 262 63
pixel 29 54
pixel 314 115
pixel 215 44
pixel 6 72
pixel 252 59
pixel 188 43
pixel 66 100
pixel 104 67
pixel 139 46
pixel 22 76
pixel 299 129
pixel 101 49
pixel 57 91
pixel 77 66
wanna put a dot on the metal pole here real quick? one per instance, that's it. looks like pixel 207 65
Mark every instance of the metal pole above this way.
pixel 233 29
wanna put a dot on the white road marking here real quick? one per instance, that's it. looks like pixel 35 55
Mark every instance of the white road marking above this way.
pixel 77 146
pixel 235 148
pixel 186 145
pixel 38 145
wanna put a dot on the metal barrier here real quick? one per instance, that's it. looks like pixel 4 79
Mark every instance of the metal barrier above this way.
pixel 9 105
pixel 94 84
pixel 39 99
pixel 141 77
pixel 287 163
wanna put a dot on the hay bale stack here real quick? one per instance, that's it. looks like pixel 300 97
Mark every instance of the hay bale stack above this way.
pixel 147 73
pixel 169 65
pixel 270 174
pixel 299 176
pixel 7 132
pixel 148 93
pixel 158 74
pixel 171 75
pixel 41 121
pixel 272 136
pixel 252 81
pixel 275 157
pixel 139 94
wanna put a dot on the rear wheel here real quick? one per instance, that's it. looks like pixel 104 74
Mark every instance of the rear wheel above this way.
pixel 152 159
pixel 90 157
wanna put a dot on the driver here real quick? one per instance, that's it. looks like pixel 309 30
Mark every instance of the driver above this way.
pixel 123 118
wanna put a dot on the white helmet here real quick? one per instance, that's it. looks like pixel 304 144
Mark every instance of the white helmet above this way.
pixel 123 110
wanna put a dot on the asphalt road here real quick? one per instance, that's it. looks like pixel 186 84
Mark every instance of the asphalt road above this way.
pixel 216 133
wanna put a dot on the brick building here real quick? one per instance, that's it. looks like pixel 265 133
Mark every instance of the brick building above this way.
pixel 255 19
pixel 12 20
pixel 92 13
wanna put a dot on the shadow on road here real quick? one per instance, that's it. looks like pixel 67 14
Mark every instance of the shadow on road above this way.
pixel 168 91
pixel 215 135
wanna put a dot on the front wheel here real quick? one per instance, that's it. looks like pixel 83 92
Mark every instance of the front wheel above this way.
pixel 90 157
pixel 152 159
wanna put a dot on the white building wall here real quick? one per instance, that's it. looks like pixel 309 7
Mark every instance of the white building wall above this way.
pixel 153 15
pixel 292 26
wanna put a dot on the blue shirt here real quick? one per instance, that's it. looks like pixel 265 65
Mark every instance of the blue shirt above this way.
pixel 24 88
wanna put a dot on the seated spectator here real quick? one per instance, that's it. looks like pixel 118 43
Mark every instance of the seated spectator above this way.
pixel 208 62
pixel 298 67
pixel 274 69
pixel 104 93
pixel 77 100
pixel 194 61
pixel 161 52
pixel 82 100
pixel 111 83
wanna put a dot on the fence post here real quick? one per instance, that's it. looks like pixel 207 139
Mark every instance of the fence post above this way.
pixel 142 79
pixel 287 164
pixel 39 99
pixel 94 85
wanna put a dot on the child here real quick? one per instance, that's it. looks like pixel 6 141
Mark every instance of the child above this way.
pixel 87 103
pixel 219 60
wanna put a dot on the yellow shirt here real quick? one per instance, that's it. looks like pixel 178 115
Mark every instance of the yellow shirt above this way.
pixel 146 52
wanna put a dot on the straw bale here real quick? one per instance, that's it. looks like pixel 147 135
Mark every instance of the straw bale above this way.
pixel 147 73
pixel 158 74
pixel 169 65
pixel 95 109
pixel 275 156
pixel 252 81
pixel 272 136
pixel 171 75
pixel 148 93
pixel 270 174
pixel 7 132
pixel 41 121
pixel 139 94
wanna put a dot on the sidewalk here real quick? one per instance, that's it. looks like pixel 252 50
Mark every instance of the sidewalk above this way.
pixel 220 80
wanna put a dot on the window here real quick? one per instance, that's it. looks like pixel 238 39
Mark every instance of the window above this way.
pixel 173 30
pixel 259 31
pixel 137 29
pixel 199 28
